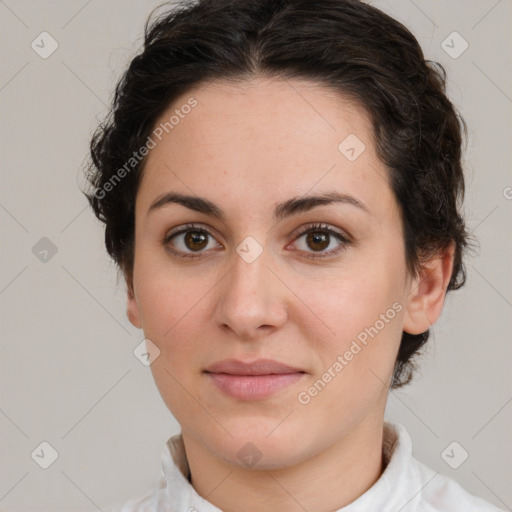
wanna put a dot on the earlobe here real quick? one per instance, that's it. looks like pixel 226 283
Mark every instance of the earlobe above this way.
pixel 132 308
pixel 427 292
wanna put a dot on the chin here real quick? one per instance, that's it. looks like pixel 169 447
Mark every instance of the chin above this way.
pixel 260 446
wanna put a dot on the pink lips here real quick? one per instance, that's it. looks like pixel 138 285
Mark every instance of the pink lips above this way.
pixel 252 381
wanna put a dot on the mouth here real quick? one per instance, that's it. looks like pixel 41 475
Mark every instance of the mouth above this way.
pixel 252 381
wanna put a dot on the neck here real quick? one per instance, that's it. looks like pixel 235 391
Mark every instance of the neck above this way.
pixel 328 481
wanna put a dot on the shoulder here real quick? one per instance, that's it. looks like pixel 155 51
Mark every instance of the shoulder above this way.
pixel 443 494
pixel 415 487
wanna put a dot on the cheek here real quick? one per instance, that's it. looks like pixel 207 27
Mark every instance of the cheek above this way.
pixel 354 300
pixel 357 361
pixel 168 298
pixel 363 307
pixel 172 313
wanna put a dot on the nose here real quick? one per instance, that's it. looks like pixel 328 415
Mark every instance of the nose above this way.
pixel 252 300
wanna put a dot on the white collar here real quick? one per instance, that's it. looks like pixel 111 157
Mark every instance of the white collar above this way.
pixel 398 488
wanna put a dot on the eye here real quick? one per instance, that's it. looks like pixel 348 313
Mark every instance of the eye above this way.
pixel 188 240
pixel 191 241
pixel 320 237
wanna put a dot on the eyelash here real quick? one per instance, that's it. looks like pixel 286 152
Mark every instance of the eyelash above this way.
pixel 309 228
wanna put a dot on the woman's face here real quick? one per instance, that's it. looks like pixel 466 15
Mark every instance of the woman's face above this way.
pixel 269 273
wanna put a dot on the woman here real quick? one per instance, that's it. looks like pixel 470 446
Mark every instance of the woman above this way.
pixel 280 183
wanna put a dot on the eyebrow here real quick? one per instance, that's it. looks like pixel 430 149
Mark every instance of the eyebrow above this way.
pixel 281 210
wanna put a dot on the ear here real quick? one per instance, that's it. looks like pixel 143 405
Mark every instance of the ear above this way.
pixel 427 292
pixel 132 308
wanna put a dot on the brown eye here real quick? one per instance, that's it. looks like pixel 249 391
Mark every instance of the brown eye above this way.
pixel 317 240
pixel 189 240
pixel 196 240
pixel 321 239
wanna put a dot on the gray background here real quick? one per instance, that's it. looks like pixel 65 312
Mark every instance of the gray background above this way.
pixel 68 373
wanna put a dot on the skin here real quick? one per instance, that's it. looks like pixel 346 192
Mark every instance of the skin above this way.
pixel 247 147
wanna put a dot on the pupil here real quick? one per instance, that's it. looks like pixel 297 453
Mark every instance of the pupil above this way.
pixel 316 238
pixel 195 238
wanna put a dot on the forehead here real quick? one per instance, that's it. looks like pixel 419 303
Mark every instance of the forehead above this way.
pixel 260 139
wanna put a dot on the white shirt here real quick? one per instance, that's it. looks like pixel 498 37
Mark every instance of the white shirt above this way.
pixel 406 485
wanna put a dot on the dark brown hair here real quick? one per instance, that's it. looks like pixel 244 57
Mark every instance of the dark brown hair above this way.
pixel 346 45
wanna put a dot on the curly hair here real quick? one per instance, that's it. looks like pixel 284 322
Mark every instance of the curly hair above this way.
pixel 346 45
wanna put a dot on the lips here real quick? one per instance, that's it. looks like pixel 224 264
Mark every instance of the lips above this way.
pixel 252 381
pixel 259 367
